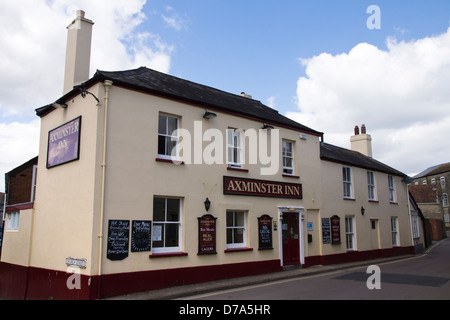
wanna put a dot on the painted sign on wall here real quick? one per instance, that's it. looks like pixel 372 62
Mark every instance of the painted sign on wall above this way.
pixel 262 188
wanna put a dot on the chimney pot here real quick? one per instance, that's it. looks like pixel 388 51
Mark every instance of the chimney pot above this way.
pixel 356 130
pixel 80 13
pixel 363 129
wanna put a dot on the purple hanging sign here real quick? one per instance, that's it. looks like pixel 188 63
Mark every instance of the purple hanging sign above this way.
pixel 64 143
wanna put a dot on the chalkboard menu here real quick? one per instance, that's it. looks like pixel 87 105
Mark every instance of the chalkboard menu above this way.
pixel 326 230
pixel 207 235
pixel 335 230
pixel 141 236
pixel 265 232
pixel 118 239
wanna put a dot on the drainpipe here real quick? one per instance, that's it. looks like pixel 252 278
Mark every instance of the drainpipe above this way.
pixel 107 84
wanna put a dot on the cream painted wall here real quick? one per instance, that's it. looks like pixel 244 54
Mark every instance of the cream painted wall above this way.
pixel 380 211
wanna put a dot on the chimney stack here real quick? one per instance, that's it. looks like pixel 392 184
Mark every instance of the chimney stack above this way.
pixel 362 142
pixel 78 51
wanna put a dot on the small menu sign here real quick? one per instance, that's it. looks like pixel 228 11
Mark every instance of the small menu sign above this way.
pixel 265 232
pixel 118 239
pixel 141 236
pixel 326 230
pixel 335 230
pixel 207 235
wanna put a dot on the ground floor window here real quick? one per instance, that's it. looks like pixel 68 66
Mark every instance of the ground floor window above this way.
pixel 236 237
pixel 415 225
pixel 350 233
pixel 12 221
pixel 394 228
pixel 166 235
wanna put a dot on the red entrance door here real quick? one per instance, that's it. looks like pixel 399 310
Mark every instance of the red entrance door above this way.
pixel 291 241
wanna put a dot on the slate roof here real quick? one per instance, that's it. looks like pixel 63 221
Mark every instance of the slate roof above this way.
pixel 154 82
pixel 333 153
pixel 441 168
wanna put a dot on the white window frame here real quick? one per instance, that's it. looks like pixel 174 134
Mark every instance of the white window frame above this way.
pixel 445 200
pixel 442 179
pixel 12 221
pixel 394 230
pixel 242 244
pixel 288 170
pixel 350 233
pixel 371 186
pixel 433 180
pixel 33 184
pixel 347 180
pixel 168 136
pixel 165 249
pixel 391 186
pixel 234 148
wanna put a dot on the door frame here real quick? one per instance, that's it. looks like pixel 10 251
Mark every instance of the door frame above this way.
pixel 300 211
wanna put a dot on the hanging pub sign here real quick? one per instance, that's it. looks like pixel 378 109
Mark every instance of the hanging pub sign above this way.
pixel 141 236
pixel 64 143
pixel 326 231
pixel 118 239
pixel 207 235
pixel 261 188
pixel 265 232
pixel 335 230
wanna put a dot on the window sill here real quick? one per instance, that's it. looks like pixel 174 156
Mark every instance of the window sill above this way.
pixel 290 176
pixel 237 169
pixel 393 202
pixel 237 250
pixel 351 199
pixel 374 201
pixel 174 161
pixel 167 255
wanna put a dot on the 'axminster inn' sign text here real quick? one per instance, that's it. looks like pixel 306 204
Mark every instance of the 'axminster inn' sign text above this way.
pixel 261 188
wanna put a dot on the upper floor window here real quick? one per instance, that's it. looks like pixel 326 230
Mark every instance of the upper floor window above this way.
pixel 391 185
pixel 234 148
pixel 288 157
pixel 347 182
pixel 167 140
pixel 442 182
pixel 371 185
pixel 433 180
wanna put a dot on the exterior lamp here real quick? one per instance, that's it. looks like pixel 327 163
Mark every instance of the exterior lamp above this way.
pixel 363 210
pixel 267 127
pixel 207 204
pixel 209 115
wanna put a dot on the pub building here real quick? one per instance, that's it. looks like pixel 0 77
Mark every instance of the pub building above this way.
pixel 147 181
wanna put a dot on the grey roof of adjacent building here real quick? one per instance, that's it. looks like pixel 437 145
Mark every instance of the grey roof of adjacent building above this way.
pixel 158 83
pixel 440 168
pixel 336 154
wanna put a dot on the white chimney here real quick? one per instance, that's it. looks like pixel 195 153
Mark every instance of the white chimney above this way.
pixel 243 94
pixel 78 51
pixel 362 142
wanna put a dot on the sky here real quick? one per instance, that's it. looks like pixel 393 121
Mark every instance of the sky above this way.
pixel 329 65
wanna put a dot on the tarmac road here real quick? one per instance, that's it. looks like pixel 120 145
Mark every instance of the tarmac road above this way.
pixel 423 277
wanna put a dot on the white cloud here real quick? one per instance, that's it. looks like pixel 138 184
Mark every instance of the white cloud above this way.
pixel 401 94
pixel 33 38
pixel 19 143
pixel 175 21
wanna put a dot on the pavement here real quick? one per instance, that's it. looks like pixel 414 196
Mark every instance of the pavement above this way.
pixel 207 287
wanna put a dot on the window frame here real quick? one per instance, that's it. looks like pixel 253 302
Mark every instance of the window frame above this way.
pixel 286 157
pixel 371 186
pixel 165 223
pixel 168 137
pixel 12 222
pixel 233 244
pixel 347 184
pixel 350 233
pixel 445 200
pixel 391 188
pixel 234 148
pixel 394 230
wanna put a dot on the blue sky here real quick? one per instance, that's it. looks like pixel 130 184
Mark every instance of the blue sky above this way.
pixel 314 61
